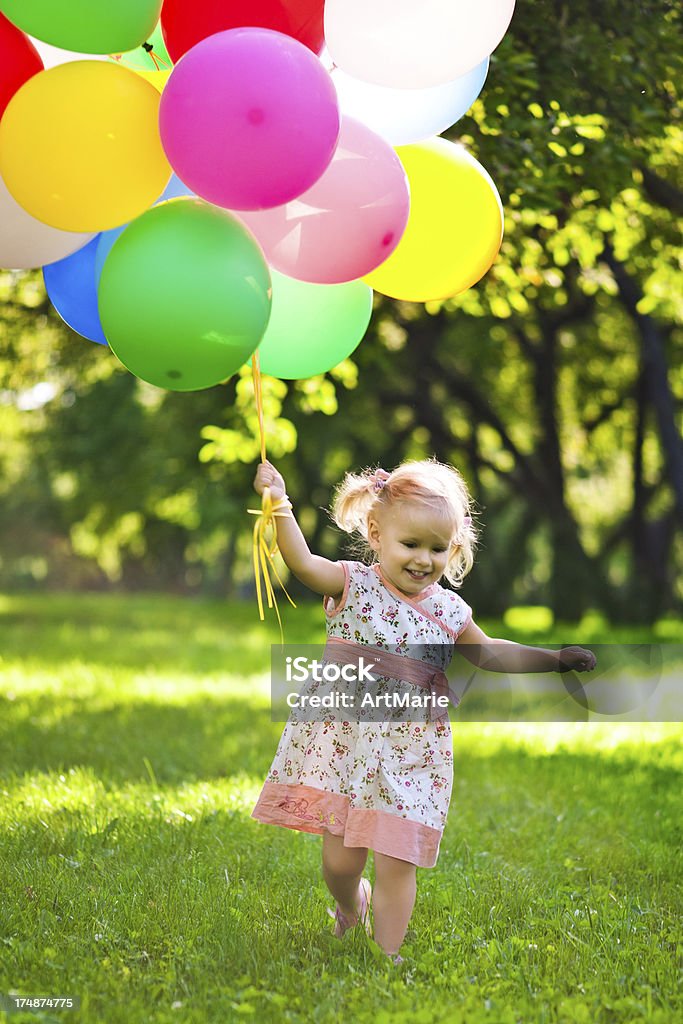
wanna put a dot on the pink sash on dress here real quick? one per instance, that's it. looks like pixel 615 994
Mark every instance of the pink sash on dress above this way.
pixel 339 651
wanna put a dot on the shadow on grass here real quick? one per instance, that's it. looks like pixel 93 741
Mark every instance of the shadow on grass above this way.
pixel 204 738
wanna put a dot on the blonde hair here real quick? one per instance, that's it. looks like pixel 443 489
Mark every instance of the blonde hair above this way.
pixel 428 481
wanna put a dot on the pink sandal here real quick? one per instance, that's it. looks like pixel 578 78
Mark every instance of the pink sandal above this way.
pixel 344 922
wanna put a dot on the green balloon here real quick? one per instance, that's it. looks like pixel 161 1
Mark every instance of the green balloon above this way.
pixel 313 327
pixel 184 296
pixel 88 26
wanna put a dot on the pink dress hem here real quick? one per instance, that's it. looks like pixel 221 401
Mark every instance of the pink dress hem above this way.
pixel 308 809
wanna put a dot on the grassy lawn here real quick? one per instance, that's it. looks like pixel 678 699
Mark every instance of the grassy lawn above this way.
pixel 135 735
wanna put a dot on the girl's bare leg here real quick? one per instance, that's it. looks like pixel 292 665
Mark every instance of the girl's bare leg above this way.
pixel 393 900
pixel 342 870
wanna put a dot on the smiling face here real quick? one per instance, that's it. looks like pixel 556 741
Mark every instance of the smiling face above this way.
pixel 413 543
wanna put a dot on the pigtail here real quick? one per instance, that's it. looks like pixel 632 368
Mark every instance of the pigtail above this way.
pixel 354 498
pixel 462 558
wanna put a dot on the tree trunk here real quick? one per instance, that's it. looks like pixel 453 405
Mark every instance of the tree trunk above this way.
pixel 655 372
pixel 574 583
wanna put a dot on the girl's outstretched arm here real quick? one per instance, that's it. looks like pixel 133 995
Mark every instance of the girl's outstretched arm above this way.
pixel 320 574
pixel 495 655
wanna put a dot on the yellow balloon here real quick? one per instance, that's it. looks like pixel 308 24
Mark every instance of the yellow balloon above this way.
pixel 80 147
pixel 454 230
pixel 156 78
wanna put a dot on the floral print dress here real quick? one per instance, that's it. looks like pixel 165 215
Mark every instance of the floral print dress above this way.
pixel 381 785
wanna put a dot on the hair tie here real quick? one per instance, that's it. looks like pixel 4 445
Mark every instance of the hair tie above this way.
pixel 379 478
pixel 467 521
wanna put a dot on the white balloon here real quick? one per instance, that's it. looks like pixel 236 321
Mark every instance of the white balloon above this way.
pixel 26 242
pixel 51 56
pixel 406 44
pixel 404 116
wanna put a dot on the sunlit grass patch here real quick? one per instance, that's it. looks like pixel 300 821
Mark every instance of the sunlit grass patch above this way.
pixel 135 735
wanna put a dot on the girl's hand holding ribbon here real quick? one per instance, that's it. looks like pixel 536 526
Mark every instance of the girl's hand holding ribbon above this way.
pixel 275 504
pixel 268 476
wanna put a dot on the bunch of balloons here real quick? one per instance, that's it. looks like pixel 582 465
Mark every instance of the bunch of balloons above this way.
pixel 200 179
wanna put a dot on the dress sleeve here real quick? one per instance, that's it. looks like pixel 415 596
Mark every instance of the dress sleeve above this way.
pixel 332 609
pixel 460 615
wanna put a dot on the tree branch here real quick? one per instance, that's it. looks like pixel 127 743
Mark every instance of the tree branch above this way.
pixel 604 414
pixel 661 191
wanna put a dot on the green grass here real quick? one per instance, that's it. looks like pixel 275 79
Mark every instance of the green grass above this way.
pixel 135 735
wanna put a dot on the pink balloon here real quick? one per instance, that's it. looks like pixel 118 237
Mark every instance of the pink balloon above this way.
pixel 349 222
pixel 249 118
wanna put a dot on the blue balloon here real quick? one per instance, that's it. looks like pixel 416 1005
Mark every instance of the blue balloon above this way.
pixel 72 289
pixel 175 189
pixel 105 241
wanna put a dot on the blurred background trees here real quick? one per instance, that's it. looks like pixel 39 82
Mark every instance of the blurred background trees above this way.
pixel 555 384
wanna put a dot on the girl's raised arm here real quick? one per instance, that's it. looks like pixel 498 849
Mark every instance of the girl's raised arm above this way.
pixel 495 655
pixel 320 574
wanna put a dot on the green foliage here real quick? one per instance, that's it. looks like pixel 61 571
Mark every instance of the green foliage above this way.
pixel 240 442
pixel 555 384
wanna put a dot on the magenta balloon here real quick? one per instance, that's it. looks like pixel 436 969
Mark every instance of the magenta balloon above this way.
pixel 249 118
pixel 348 223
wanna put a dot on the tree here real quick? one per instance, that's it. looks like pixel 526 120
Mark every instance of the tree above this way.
pixel 556 383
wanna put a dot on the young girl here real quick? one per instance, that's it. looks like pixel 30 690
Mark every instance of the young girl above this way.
pixel 385 786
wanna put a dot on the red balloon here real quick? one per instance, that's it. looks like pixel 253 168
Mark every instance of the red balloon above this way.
pixel 19 60
pixel 184 23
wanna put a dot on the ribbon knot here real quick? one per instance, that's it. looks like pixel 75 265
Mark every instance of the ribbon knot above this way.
pixel 264 547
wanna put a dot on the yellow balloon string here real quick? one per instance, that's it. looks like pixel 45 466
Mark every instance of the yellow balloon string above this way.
pixel 264 544
pixel 258 398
